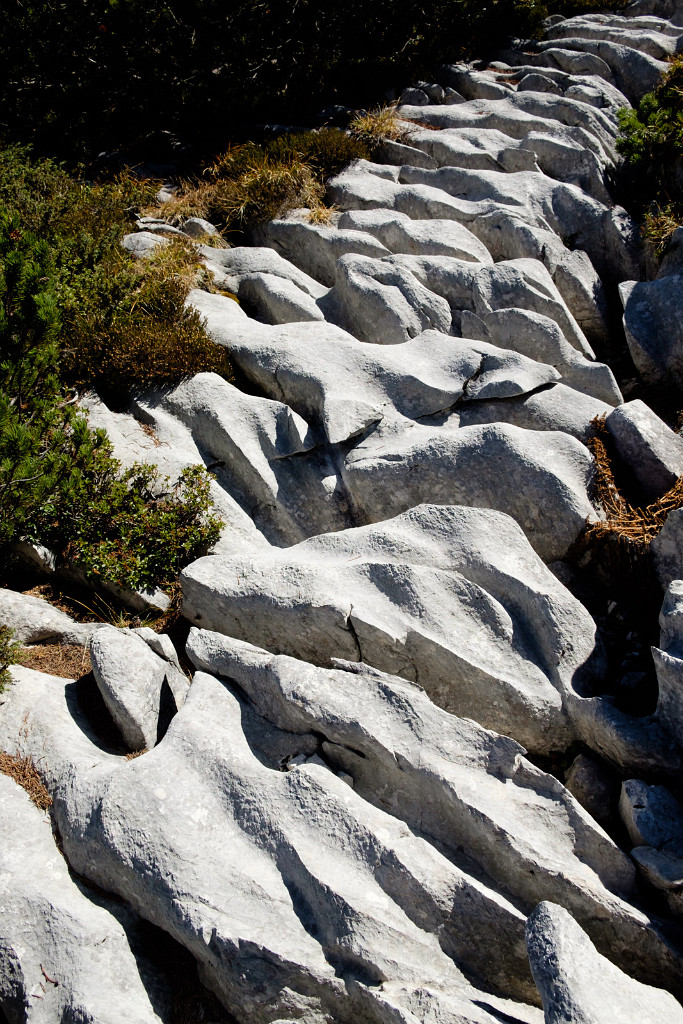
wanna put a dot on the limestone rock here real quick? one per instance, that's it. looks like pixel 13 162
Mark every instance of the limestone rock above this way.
pixel 667 549
pixel 650 450
pixel 35 620
pixel 653 315
pixel 139 243
pixel 654 821
pixel 400 234
pixel 141 690
pixel 384 303
pixel 65 954
pixel 593 785
pixel 454 782
pixel 538 478
pixel 277 300
pixel 579 986
pixel 668 659
pixel 315 248
pixel 343 386
pixel 326 906
pixel 451 597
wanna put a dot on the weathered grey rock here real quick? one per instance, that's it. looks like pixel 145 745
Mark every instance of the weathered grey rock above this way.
pixel 519 284
pixel 160 643
pixel 140 243
pixel 553 407
pixel 392 152
pixel 623 32
pixel 539 337
pixel 516 113
pixel 315 248
pixel 667 549
pixel 652 816
pixel 635 72
pixel 594 786
pixel 653 322
pixel 34 620
pixel 654 821
pixel 385 304
pixel 400 234
pixel 415 96
pixel 343 386
pixel 508 231
pixel 455 783
pixel 608 235
pixel 277 300
pixel 649 449
pixel 231 265
pixel 65 954
pixel 263 454
pixel 579 986
pixel 197 227
pixel 160 227
pixel 429 596
pixel 140 689
pixel 326 907
pixel 538 478
pixel 668 659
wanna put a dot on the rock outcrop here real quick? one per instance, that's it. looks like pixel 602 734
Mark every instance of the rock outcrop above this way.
pixel 402 785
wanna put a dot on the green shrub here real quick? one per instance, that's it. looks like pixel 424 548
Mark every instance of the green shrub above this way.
pixel 651 141
pixel 137 530
pixel 59 484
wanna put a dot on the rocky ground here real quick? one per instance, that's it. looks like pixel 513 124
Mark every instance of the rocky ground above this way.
pixel 406 784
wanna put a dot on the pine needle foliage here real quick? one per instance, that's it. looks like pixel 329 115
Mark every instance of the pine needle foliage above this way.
pixel 628 524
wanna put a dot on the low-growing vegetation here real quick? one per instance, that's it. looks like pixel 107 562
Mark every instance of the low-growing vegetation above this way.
pixel 251 183
pixel 149 77
pixel 10 653
pixel 651 140
pixel 77 311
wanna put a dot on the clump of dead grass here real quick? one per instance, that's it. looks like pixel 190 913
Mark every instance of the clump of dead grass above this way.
pixel 372 128
pixel 629 525
pixel 23 771
pixel 252 183
pixel 321 214
pixel 68 661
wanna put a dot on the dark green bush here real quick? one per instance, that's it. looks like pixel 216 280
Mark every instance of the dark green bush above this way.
pixel 94 75
pixel 651 140
pixel 59 484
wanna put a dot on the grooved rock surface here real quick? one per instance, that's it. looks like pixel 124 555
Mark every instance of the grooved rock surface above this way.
pixel 354 813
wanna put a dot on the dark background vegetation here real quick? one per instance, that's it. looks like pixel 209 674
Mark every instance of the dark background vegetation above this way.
pixel 84 77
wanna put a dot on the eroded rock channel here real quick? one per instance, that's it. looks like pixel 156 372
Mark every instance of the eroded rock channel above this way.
pixel 400 786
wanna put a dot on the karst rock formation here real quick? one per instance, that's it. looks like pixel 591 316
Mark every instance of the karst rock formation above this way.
pixel 354 813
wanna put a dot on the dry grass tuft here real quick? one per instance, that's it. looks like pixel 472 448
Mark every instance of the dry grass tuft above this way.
pixel 135 753
pixel 629 525
pixel 23 771
pixel 321 214
pixel 372 128
pixel 69 661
